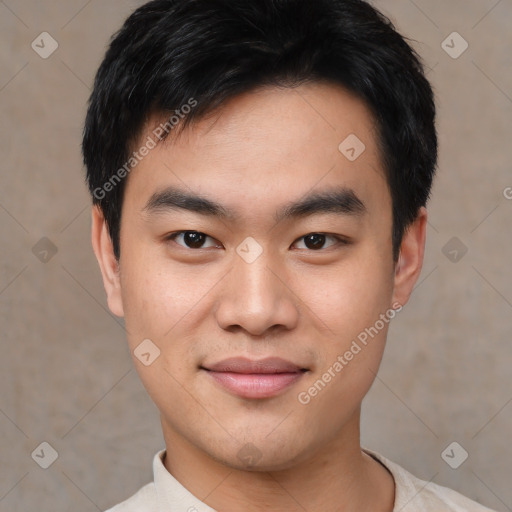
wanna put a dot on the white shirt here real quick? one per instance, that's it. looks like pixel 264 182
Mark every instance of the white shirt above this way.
pixel 166 494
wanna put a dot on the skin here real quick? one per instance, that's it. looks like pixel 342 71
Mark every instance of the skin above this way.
pixel 262 150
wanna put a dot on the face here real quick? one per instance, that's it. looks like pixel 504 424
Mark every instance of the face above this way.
pixel 254 235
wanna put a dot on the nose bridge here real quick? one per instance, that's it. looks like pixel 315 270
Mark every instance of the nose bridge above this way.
pixel 257 286
pixel 255 298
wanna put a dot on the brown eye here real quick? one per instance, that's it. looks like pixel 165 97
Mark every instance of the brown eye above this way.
pixel 316 241
pixel 191 239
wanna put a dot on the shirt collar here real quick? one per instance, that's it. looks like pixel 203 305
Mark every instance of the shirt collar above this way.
pixel 171 494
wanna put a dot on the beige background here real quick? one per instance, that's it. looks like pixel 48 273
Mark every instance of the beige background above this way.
pixel 65 372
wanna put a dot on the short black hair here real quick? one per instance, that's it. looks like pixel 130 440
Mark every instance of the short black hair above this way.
pixel 175 53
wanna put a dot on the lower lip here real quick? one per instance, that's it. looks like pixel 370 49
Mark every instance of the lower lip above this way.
pixel 255 385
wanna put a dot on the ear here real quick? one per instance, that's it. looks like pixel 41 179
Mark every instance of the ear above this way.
pixel 410 261
pixel 104 251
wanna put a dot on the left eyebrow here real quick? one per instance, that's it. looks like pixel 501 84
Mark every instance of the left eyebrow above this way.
pixel 341 201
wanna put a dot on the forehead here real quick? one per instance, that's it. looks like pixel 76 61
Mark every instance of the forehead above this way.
pixel 267 146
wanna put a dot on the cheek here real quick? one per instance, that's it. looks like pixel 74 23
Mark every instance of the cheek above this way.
pixel 152 297
pixel 349 297
pixel 158 299
pixel 162 298
pixel 350 301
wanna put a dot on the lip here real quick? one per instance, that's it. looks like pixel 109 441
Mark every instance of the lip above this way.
pixel 245 365
pixel 248 378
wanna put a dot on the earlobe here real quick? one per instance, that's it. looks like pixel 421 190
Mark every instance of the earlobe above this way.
pixel 109 266
pixel 410 261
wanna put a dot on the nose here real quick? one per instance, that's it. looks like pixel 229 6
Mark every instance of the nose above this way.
pixel 257 298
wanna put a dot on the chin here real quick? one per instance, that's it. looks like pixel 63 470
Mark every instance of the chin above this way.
pixel 269 463
pixel 263 455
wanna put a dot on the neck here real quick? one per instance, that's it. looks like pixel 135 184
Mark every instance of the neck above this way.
pixel 338 476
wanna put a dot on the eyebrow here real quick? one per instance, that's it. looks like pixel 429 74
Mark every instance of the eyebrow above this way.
pixel 340 201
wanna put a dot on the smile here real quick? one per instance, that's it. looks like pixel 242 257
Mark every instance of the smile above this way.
pixel 255 385
pixel 255 379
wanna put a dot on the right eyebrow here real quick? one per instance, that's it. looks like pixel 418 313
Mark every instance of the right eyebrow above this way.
pixel 172 198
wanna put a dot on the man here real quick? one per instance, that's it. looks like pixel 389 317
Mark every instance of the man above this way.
pixel 259 172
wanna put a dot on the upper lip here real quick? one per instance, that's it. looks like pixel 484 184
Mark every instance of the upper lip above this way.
pixel 244 365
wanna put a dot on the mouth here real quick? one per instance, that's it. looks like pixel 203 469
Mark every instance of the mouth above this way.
pixel 255 379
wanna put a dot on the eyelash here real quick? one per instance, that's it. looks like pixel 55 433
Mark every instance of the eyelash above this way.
pixel 339 240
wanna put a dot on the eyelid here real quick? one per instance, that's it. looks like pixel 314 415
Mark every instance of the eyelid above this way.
pixel 340 241
pixel 175 234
